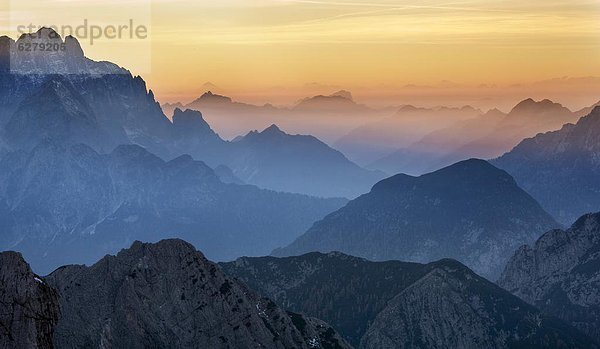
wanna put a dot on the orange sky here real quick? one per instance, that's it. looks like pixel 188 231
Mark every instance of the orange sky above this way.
pixel 269 50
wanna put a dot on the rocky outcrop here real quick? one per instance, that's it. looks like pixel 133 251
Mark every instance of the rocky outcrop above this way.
pixel 451 307
pixel 346 291
pixel 470 211
pixel 560 274
pixel 394 304
pixel 29 308
pixel 168 295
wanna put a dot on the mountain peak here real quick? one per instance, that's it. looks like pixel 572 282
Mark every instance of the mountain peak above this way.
pixel 66 57
pixel 530 105
pixel 211 97
pixel 344 94
pixel 273 130
pixel 190 122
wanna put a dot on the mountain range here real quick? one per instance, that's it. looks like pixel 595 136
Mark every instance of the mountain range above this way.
pixel 470 211
pixel 486 136
pixel 328 117
pixel 377 138
pixel 274 159
pixel 77 100
pixel 68 203
pixel 560 168
pixel 560 274
pixel 404 305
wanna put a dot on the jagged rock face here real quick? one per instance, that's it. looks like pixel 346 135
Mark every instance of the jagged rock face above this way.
pixel 55 111
pixel 561 168
pixel 403 305
pixel 168 295
pixel 63 204
pixel 29 308
pixel 470 211
pixel 124 111
pixel 560 274
pixel 452 307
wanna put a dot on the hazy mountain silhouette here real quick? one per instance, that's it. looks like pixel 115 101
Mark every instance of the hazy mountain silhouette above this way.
pixel 470 211
pixel 561 168
pixel 326 116
pixel 487 136
pixel 107 110
pixel 64 204
pixel 381 137
pixel 442 147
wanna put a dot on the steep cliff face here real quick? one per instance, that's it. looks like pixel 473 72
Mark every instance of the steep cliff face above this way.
pixel 168 295
pixel 470 211
pixel 29 308
pixel 560 274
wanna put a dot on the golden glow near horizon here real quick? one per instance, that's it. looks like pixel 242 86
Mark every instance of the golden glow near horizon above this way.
pixel 261 47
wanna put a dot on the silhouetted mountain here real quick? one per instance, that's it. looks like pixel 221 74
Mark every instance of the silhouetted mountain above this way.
pixel 403 305
pixel 470 211
pixel 168 295
pixel 338 102
pixel 29 308
pixel 487 136
pixel 63 204
pixel 169 108
pixel 443 147
pixel 560 274
pixel 561 168
pixel 298 164
pixel 380 137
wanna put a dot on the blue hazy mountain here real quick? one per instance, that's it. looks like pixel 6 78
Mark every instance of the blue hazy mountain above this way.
pixel 274 159
pixel 67 203
pixel 486 136
pixel 395 304
pixel 560 168
pixel 64 95
pixel 470 211
pixel 560 274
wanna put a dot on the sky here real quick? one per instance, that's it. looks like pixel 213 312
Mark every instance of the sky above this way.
pixel 386 51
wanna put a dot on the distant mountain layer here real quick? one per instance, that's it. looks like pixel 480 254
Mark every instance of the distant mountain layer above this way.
pixel 64 204
pixel 274 159
pixel 486 136
pixel 379 137
pixel 70 98
pixel 470 211
pixel 163 295
pixel 404 305
pixel 561 168
pixel 326 116
pixel 560 274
